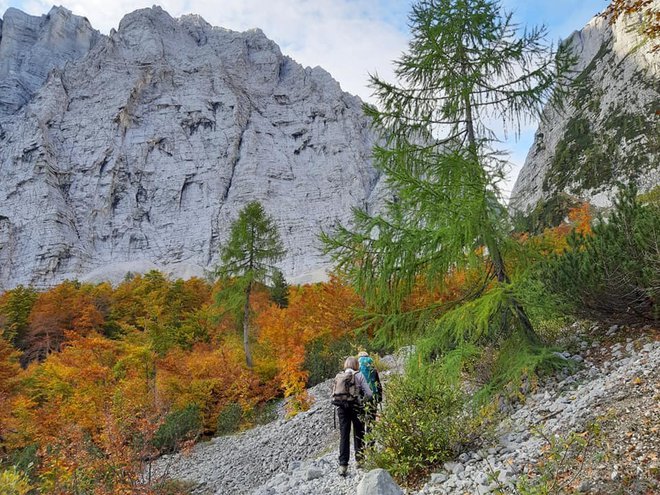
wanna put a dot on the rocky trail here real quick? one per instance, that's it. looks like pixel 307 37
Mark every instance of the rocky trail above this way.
pixel 615 380
pixel 267 454
pixel 238 464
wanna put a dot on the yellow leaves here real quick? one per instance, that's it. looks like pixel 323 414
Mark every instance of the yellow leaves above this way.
pixel 316 311
pixel 298 403
pixel 9 367
pixel 14 482
pixel 18 421
pixel 210 377
pixel 92 402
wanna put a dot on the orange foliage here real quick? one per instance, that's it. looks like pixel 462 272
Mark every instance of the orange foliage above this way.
pixel 93 404
pixel 9 373
pixel 210 377
pixel 69 406
pixel 73 383
pixel 314 311
pixel 555 240
pixel 452 289
pixel 580 217
pixel 65 308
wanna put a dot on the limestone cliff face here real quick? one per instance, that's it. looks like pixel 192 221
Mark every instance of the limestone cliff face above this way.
pixel 140 153
pixel 609 130
pixel 31 46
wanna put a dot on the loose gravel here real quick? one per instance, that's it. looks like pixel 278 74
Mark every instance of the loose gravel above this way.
pixel 299 456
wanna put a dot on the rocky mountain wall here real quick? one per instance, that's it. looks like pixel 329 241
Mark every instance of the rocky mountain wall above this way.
pixel 31 46
pixel 139 148
pixel 609 128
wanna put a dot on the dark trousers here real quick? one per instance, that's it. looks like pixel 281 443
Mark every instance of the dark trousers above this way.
pixel 350 415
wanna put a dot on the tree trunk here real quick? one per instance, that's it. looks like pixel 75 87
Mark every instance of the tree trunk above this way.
pixel 491 244
pixel 246 326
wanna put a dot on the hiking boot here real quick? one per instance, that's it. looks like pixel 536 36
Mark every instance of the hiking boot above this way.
pixel 343 470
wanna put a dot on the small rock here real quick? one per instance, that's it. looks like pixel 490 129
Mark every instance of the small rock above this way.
pixel 438 478
pixel 313 473
pixel 378 482
pixel 585 487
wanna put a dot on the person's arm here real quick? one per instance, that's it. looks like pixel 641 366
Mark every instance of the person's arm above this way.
pixel 364 386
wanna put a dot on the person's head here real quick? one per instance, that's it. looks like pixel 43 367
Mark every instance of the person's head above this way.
pixel 351 363
pixel 363 354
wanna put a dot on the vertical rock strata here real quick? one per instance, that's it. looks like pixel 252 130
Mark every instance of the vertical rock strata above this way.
pixel 141 153
pixel 609 130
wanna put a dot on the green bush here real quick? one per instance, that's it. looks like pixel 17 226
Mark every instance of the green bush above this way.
pixel 323 360
pixel 425 423
pixel 263 413
pixel 616 270
pixel 25 459
pixel 14 482
pixel 546 213
pixel 229 419
pixel 179 426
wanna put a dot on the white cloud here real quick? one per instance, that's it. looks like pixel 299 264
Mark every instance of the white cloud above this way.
pixel 345 37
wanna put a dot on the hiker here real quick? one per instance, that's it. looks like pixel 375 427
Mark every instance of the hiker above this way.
pixel 348 391
pixel 370 374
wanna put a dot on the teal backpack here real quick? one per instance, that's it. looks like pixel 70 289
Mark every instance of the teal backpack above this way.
pixel 367 369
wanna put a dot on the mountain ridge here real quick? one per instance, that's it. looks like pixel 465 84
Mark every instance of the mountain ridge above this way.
pixel 607 131
pixel 142 152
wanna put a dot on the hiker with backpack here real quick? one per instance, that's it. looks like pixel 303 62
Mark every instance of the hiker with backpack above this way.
pixel 348 393
pixel 370 373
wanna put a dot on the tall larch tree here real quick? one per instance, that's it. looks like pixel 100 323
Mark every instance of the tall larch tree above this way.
pixel 468 67
pixel 253 248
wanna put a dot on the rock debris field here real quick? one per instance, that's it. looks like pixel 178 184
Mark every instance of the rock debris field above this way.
pixel 617 377
pixel 238 464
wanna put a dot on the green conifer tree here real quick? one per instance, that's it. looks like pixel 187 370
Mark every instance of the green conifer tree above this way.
pixel 279 291
pixel 467 67
pixel 253 247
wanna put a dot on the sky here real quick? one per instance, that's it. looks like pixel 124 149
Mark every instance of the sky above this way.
pixel 349 38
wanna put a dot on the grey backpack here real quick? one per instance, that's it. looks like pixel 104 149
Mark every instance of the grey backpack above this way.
pixel 345 391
